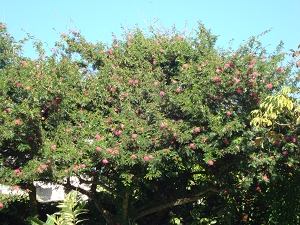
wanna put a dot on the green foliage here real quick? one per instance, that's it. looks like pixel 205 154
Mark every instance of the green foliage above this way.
pixel 272 107
pixel 15 209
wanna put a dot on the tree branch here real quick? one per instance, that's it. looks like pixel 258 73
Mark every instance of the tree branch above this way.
pixel 106 215
pixel 176 202
pixel 226 167
pixel 105 187
pixel 283 124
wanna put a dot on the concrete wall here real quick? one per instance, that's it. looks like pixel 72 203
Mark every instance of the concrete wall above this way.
pixel 47 192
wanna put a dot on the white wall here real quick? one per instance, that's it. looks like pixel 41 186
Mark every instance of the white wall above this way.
pixel 47 192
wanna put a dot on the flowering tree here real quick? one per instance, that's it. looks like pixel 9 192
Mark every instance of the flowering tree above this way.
pixel 151 124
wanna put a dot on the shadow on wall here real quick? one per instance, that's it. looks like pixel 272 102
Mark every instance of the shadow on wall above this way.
pixel 49 192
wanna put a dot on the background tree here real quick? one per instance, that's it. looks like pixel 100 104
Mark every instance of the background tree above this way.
pixel 279 113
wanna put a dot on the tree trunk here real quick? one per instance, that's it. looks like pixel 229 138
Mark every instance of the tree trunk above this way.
pixel 126 205
pixel 33 201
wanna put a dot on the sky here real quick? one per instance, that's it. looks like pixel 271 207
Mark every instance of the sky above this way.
pixel 98 19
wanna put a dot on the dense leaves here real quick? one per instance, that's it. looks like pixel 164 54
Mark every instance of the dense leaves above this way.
pixel 152 124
